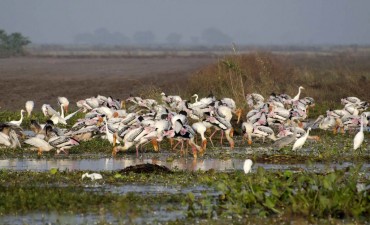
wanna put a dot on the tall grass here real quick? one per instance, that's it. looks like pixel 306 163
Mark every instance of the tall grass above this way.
pixel 326 78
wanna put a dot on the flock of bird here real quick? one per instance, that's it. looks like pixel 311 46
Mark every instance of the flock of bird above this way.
pixel 280 118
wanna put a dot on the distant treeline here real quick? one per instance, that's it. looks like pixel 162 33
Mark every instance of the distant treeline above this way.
pixel 12 44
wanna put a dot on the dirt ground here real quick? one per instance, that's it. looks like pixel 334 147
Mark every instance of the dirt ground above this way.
pixel 44 79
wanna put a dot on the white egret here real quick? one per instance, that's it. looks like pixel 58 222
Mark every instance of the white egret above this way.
pixel 247 166
pixel 299 93
pixel 300 141
pixel 93 176
pixel 359 138
pixel 18 122
pixel 29 107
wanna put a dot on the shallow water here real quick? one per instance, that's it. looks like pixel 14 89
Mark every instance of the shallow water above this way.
pixel 107 164
pixel 156 216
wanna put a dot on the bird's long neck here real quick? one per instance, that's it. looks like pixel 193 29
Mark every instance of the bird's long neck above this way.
pixel 106 126
pixel 196 98
pixel 299 93
pixel 307 133
pixel 362 124
pixel 62 110
pixel 21 117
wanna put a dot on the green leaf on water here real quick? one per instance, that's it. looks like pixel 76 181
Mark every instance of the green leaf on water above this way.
pixel 288 173
pixel 117 175
pixel 191 197
pixel 53 171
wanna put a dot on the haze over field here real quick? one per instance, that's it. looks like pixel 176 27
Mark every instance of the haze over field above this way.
pixel 188 22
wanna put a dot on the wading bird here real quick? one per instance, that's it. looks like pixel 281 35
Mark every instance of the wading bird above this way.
pixel 359 138
pixel 29 107
pixel 300 141
pixel 247 166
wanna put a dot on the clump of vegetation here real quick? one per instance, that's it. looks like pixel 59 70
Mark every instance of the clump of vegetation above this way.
pixel 327 78
pixel 340 194
pixel 12 44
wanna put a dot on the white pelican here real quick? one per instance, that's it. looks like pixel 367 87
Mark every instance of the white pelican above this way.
pixel 300 141
pixel 18 122
pixel 29 107
pixel 63 101
pixel 359 138
pixel 299 93
pixel 247 166
pixel 92 176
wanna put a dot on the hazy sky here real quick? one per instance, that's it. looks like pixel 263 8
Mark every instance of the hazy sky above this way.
pixel 243 21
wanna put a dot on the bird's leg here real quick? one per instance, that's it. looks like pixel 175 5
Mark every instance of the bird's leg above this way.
pixel 222 136
pixel 204 144
pixel 210 137
pixel 114 139
pixel 62 150
pixel 231 132
pixel 335 130
pixel 137 151
pixel 243 139
pixel 182 147
pixel 194 149
pixel 342 130
pixel 114 151
pixel 174 148
pixel 171 142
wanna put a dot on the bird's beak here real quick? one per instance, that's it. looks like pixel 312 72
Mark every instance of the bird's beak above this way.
pixel 204 144
pixel 249 141
pixel 115 114
pixel 155 145
pixel 232 145
pixel 100 121
pixel 114 139
pixel 65 108
pixel 231 132
pixel 114 151
pixel 239 114
pixel 123 104
pixel 39 152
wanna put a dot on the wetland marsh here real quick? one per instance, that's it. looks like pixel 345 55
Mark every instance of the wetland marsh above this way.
pixel 325 182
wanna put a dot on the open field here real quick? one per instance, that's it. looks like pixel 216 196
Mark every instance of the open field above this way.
pixel 44 79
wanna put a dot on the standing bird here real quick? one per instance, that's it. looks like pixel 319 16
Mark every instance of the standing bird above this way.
pixel 29 107
pixel 300 141
pixel 284 141
pixel 299 93
pixel 64 102
pixel 359 138
pixel 247 166
pixel 40 144
pixel 18 122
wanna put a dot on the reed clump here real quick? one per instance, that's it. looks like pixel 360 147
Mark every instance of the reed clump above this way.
pixel 326 78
